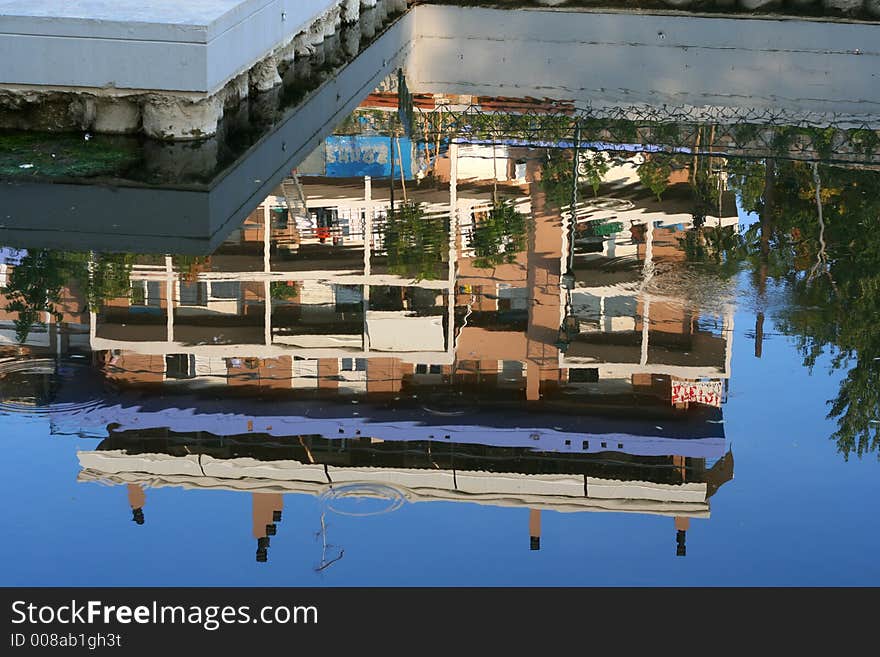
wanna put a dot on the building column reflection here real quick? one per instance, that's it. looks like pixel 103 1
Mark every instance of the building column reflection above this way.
pixel 137 498
pixel 534 529
pixel 544 269
pixel 266 514
pixel 681 526
pixel 682 523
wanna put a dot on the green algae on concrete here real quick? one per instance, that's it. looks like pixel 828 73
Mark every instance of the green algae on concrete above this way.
pixel 66 155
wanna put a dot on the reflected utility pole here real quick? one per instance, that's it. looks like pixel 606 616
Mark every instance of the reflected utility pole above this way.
pixel 391 155
pixel 766 227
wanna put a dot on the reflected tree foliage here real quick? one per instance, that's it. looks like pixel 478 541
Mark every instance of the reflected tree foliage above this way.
pixel 190 266
pixel 721 246
pixel 101 276
pixel 283 290
pixel 34 288
pixel 499 236
pixel 558 172
pixel 36 283
pixel 747 178
pixel 416 244
pixel 831 272
pixel 835 284
pixel 556 177
pixel 654 173
pixel 592 168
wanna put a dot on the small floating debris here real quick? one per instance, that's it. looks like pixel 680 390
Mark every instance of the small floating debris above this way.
pixel 25 166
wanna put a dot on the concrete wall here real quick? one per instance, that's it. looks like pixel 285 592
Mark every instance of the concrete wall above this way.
pixel 609 59
pixel 867 9
pixel 595 59
pixel 158 45
pixel 171 76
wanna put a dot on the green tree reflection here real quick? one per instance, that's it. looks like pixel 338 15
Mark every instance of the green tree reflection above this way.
pixel 654 173
pixel 499 236
pixel 556 177
pixel 416 244
pixel 34 288
pixel 831 273
pixel 35 285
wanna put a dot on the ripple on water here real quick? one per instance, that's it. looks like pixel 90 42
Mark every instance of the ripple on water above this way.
pixel 363 499
pixel 32 386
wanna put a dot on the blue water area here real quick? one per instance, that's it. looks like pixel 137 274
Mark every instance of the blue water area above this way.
pixel 795 513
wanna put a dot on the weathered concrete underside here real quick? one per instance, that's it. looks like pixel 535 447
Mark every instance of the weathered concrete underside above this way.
pixel 593 59
pixel 631 65
pixel 857 8
pixel 168 72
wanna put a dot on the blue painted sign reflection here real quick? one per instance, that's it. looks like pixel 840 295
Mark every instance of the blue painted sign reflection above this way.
pixel 357 155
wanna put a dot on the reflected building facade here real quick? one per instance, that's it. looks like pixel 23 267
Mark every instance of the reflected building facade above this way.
pixel 452 332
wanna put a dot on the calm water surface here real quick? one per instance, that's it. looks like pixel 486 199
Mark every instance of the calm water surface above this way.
pixel 465 341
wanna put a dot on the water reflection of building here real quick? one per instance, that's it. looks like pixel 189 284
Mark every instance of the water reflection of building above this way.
pixel 330 297
pixel 419 471
pixel 630 310
pixel 339 319
pixel 494 359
